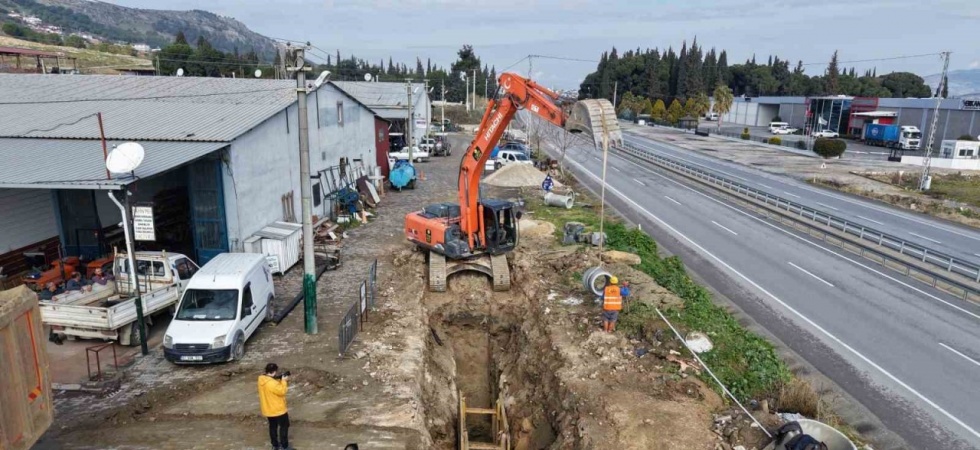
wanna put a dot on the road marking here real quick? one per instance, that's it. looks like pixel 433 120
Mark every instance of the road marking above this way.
pixel 862 204
pixel 870 220
pixel 638 181
pixel 791 195
pixel 675 201
pixel 765 186
pixel 976 254
pixel 810 274
pixel 828 206
pixel 614 168
pixel 806 319
pixel 724 228
pixel 958 353
pixel 923 237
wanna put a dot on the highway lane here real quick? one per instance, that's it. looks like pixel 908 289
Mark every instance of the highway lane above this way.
pixel 892 334
pixel 951 239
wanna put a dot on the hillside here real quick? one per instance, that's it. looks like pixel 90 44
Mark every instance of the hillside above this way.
pixel 89 61
pixel 961 82
pixel 154 27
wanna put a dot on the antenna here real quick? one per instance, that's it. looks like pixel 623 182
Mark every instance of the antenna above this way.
pixel 180 72
pixel 125 158
pixel 367 77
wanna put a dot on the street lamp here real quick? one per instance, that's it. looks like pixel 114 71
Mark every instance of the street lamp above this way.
pixel 124 159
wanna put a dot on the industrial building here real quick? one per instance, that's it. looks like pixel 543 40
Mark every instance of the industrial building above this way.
pixel 848 115
pixel 222 160
pixel 390 101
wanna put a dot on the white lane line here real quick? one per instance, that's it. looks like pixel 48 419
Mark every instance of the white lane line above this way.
pixel 791 195
pixel 724 228
pixel 640 182
pixel 765 186
pixel 923 237
pixel 810 274
pixel 668 198
pixel 828 206
pixel 788 307
pixel 616 169
pixel 976 254
pixel 958 353
pixel 870 220
pixel 864 204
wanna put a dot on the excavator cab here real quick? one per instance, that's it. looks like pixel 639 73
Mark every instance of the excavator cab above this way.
pixel 500 224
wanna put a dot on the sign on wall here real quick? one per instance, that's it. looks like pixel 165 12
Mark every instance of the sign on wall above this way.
pixel 972 105
pixel 143 228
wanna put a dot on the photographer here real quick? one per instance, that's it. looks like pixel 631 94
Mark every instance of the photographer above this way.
pixel 272 400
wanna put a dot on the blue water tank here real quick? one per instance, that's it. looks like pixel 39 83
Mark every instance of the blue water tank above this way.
pixel 402 175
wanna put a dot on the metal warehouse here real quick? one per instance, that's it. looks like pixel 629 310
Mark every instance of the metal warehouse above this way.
pixel 390 101
pixel 222 160
pixel 848 115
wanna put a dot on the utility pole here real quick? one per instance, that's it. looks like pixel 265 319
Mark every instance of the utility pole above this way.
pixel 615 88
pixel 443 108
pixel 466 91
pixel 428 111
pixel 410 123
pixel 474 89
pixel 925 180
pixel 306 192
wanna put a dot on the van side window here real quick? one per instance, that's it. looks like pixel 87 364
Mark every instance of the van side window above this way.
pixel 246 300
pixel 185 268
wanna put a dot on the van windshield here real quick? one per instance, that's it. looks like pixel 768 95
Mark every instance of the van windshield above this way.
pixel 521 157
pixel 205 304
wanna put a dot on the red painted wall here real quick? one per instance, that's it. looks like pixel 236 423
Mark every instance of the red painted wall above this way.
pixel 381 145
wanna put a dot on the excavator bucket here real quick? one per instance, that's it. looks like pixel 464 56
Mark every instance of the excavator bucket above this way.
pixel 596 118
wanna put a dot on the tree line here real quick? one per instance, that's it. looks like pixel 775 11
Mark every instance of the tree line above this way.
pixel 693 72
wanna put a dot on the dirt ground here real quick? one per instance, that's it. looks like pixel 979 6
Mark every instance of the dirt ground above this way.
pixel 538 348
pixel 847 175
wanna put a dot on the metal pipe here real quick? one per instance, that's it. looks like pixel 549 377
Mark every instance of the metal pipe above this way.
pixel 124 210
pixel 564 201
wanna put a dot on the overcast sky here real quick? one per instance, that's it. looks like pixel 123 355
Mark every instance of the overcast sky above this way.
pixel 504 31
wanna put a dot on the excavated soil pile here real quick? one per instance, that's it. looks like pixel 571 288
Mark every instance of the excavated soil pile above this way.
pixel 517 175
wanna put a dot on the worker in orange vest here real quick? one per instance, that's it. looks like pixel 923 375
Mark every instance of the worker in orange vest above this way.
pixel 612 304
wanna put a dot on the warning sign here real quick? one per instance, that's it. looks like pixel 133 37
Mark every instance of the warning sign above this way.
pixel 143 229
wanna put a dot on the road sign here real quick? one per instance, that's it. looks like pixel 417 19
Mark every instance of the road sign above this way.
pixel 143 228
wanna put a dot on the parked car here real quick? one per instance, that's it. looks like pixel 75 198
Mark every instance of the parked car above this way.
pixel 428 144
pixel 517 147
pixel 784 130
pixel 222 306
pixel 826 134
pixel 773 126
pixel 418 155
pixel 505 157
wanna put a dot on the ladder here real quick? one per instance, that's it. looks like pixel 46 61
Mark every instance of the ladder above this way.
pixel 498 419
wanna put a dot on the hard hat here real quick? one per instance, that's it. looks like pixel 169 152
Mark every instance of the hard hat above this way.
pixel 613 280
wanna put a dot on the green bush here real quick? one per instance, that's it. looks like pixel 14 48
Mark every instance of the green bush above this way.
pixel 966 137
pixel 775 140
pixel 745 130
pixel 746 136
pixel 801 144
pixel 829 148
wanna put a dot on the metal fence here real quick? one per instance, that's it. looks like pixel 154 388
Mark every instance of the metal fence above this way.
pixel 863 233
pixel 357 314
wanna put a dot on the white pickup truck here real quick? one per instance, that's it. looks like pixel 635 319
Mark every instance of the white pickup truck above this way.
pixel 109 311
pixel 418 155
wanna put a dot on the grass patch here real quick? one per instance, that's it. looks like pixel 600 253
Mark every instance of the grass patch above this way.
pixel 744 361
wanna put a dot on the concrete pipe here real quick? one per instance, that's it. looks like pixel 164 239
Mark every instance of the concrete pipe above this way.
pixel 558 200
pixel 594 280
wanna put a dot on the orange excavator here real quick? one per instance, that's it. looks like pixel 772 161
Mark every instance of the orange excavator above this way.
pixel 476 233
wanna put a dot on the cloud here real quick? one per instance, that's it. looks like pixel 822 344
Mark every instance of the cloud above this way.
pixel 975 64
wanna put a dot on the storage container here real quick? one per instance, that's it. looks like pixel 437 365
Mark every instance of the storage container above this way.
pixel 282 240
pixel 25 397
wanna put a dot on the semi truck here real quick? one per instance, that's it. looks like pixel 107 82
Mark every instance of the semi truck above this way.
pixel 109 311
pixel 893 136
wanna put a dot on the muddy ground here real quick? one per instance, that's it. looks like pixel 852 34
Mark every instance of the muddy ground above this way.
pixel 538 348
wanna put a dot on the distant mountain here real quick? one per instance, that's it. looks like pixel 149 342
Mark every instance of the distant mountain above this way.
pixel 149 26
pixel 964 82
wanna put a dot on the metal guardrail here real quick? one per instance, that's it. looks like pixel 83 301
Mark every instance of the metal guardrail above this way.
pixel 866 234
pixel 353 320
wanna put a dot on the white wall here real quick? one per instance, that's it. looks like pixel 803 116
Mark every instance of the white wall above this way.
pixel 28 217
pixel 944 163
pixel 264 162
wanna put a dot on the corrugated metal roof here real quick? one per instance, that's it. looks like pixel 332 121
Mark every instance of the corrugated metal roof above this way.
pixel 79 164
pixel 388 100
pixel 138 108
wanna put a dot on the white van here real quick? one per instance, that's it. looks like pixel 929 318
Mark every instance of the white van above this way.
pixel 222 306
pixel 773 126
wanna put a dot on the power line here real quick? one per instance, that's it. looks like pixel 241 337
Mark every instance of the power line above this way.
pixel 562 58
pixel 877 59
pixel 516 63
pixel 156 97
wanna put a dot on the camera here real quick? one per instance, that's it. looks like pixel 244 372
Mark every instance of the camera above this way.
pixel 284 373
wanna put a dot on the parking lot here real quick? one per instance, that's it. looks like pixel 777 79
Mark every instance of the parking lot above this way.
pixel 855 149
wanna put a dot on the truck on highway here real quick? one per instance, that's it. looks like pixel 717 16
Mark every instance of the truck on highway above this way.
pixel 25 400
pixel 109 311
pixel 892 136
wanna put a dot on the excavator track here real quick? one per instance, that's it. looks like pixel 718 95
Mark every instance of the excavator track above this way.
pixel 437 272
pixel 501 273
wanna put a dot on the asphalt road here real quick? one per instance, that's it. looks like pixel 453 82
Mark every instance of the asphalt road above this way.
pixel 908 353
pixel 951 239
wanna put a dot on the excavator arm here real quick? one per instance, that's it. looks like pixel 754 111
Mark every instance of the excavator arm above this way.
pixel 517 93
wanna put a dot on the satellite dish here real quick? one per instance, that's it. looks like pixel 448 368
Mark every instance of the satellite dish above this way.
pixel 180 72
pixel 125 158
pixel 367 77
pixel 258 73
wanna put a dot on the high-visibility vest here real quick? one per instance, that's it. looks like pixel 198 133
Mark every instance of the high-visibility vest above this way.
pixel 611 298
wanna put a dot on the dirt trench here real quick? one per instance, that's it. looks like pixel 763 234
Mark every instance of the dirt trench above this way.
pixel 483 348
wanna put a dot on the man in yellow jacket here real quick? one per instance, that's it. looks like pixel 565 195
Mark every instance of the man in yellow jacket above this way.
pixel 272 400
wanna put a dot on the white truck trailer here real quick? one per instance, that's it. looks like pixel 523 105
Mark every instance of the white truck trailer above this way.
pixel 109 311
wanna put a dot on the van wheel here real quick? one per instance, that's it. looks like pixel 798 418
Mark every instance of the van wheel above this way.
pixel 238 348
pixel 270 313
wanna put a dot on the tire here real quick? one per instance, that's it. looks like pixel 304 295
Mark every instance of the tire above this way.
pixel 238 347
pixel 497 166
pixel 134 337
pixel 270 313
